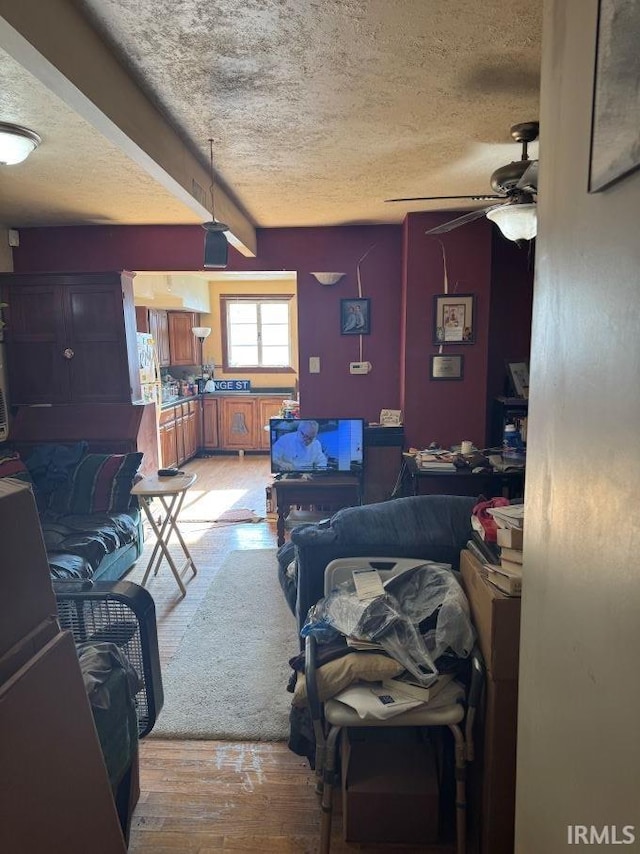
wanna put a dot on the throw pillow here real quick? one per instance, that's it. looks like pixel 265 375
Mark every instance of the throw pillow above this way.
pixel 336 675
pixel 100 483
pixel 12 466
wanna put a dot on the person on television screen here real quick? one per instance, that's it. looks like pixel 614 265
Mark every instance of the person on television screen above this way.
pixel 300 450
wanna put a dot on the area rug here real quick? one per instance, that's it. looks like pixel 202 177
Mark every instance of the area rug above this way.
pixel 228 677
pixel 238 514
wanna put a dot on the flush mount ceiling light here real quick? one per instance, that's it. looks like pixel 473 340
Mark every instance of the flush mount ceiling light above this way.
pixel 516 222
pixel 328 278
pixel 216 248
pixel 16 143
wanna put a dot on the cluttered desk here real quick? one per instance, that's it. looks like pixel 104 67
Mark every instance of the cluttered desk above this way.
pixel 474 473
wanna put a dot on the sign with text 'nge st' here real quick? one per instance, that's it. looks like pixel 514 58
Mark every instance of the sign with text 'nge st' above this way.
pixel 232 385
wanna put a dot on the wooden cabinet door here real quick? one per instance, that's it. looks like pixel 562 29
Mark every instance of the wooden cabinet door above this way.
pixel 237 423
pixel 96 344
pixel 38 371
pixel 210 424
pixel 196 408
pixel 180 437
pixel 71 338
pixel 183 345
pixel 142 319
pixel 159 328
pixel 168 447
pixel 190 441
pixel 268 407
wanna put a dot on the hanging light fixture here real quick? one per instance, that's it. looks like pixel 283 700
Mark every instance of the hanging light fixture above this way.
pixel 216 248
pixel 16 143
pixel 517 221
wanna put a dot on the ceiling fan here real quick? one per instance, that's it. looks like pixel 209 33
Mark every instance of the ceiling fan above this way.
pixel 515 184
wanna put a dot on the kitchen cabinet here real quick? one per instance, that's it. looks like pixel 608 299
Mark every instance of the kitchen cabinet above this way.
pixel 159 328
pixel 237 423
pixel 71 337
pixel 168 441
pixel 184 347
pixel 268 407
pixel 210 423
pixel 178 433
pixel 241 421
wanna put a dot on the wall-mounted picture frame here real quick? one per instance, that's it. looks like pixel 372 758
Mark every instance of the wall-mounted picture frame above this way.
pixel 355 316
pixel 454 319
pixel 519 378
pixel 615 131
pixel 447 368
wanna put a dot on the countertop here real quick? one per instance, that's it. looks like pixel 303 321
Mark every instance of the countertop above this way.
pixel 267 392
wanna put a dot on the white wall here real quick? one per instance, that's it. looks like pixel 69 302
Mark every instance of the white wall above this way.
pixel 579 716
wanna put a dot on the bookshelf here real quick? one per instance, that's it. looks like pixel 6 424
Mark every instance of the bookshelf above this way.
pixel 508 410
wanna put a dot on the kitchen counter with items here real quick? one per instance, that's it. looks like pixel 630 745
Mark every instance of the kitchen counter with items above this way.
pixel 282 394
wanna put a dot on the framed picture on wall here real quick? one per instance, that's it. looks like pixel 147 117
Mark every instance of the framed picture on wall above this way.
pixel 355 317
pixel 447 368
pixel 519 378
pixel 615 131
pixel 454 319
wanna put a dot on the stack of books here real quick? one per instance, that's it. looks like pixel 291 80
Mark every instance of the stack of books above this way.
pixel 437 461
pixel 507 576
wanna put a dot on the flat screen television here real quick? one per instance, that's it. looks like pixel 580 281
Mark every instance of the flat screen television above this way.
pixel 303 445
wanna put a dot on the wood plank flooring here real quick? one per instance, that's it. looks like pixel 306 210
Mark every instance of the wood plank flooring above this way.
pixel 205 797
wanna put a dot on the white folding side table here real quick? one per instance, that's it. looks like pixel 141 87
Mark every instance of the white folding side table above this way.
pixel 170 491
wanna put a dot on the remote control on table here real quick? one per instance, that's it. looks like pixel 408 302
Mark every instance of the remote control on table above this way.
pixel 168 472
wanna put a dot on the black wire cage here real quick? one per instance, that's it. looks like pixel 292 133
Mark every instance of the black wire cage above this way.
pixel 124 614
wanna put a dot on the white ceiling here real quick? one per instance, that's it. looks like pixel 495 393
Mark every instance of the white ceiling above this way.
pixel 319 109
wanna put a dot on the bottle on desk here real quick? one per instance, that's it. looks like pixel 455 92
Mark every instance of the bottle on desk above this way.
pixel 512 442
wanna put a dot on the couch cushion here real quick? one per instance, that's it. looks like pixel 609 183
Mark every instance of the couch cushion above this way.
pixel 76 545
pixel 11 465
pixel 99 483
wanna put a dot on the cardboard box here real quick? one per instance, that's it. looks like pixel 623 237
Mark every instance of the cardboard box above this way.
pixel 25 579
pixel 389 787
pixel 492 774
pixel 496 617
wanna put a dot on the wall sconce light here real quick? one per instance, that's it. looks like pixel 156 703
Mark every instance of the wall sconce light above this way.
pixel 328 278
pixel 16 143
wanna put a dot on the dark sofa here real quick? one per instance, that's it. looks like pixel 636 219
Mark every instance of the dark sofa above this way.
pixel 91 524
pixel 433 527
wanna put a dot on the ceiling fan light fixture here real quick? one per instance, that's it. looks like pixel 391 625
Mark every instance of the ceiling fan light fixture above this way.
pixel 16 143
pixel 516 222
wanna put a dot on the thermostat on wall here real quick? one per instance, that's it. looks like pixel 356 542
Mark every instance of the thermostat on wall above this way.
pixel 359 367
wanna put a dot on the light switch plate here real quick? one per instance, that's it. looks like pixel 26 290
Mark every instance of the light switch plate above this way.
pixel 314 364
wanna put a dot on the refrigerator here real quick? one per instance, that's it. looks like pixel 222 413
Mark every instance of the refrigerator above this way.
pixel 150 383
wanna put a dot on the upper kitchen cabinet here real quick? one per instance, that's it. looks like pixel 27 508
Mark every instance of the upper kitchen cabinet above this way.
pixel 159 328
pixel 71 338
pixel 183 345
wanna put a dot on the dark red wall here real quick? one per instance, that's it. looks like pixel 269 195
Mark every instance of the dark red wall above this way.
pixel 445 411
pixel 401 274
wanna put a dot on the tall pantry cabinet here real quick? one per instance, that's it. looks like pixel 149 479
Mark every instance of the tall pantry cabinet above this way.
pixel 71 337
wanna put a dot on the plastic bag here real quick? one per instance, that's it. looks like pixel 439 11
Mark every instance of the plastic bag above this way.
pixel 379 620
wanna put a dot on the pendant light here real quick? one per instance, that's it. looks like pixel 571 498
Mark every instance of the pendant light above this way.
pixel 216 247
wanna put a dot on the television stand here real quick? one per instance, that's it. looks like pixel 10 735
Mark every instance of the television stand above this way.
pixel 334 491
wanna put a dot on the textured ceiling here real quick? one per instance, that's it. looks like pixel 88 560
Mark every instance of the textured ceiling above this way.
pixel 319 109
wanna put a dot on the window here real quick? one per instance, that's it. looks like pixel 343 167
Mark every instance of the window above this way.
pixel 256 333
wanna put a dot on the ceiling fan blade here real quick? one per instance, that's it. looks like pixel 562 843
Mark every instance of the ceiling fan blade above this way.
pixel 529 180
pixel 477 198
pixel 461 220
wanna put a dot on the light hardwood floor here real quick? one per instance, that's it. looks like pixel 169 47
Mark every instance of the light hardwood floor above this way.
pixel 204 797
